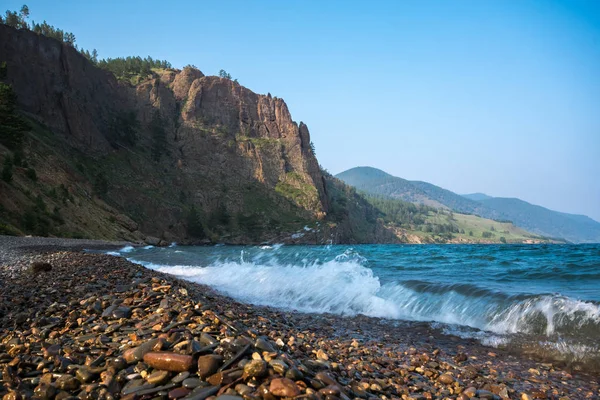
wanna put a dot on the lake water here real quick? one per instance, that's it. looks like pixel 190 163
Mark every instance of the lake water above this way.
pixel 544 294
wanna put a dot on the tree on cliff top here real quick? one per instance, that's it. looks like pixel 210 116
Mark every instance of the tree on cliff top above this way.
pixel 224 74
pixel 19 21
pixel 16 20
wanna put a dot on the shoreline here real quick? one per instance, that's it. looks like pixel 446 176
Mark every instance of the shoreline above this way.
pixel 325 355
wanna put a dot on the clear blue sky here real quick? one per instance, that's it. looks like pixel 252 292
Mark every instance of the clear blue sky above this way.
pixel 501 97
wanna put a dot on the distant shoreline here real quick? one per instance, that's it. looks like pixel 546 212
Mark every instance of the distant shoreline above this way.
pixel 15 247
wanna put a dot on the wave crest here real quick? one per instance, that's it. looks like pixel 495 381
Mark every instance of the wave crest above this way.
pixel 345 286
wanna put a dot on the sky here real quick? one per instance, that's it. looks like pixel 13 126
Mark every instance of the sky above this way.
pixel 499 97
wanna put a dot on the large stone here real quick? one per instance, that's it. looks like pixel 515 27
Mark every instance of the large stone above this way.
pixel 151 240
pixel 168 361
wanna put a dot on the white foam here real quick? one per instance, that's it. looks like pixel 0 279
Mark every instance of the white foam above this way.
pixel 554 311
pixel 346 286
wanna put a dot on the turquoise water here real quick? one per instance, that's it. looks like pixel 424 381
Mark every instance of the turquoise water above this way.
pixel 548 293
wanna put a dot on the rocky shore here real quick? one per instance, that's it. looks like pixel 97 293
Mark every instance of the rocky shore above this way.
pixel 92 326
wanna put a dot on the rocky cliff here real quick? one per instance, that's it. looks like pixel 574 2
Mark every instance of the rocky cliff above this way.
pixel 149 161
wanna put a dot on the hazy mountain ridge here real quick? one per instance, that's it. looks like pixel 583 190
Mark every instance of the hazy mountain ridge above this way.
pixel 536 219
pixel 476 196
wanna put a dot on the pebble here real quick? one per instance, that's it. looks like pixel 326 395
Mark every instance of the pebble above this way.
pixel 446 379
pixel 168 361
pixel 191 383
pixel 136 354
pixel 255 369
pixel 158 377
pixel 278 366
pixel 284 387
pixel 209 365
pixel 178 393
pixel 66 382
pixel 180 377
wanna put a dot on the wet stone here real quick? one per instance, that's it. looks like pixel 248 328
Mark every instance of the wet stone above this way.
pixel 243 389
pixel 446 379
pixel 66 382
pixel 158 377
pixel 264 345
pixel 129 389
pixel 294 374
pixel 168 361
pixel 62 395
pixel 191 383
pixel 43 391
pixel 485 394
pixel 332 390
pixel 83 375
pixel 206 339
pixel 180 377
pixel 278 366
pixel 201 393
pixel 136 354
pixel 178 393
pixel 284 387
pixel 255 368
pixel 209 365
pixel 51 351
pixel 121 312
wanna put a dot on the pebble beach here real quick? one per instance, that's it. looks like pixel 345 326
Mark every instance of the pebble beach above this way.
pixel 94 326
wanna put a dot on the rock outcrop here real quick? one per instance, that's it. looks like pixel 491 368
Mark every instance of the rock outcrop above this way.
pixel 235 155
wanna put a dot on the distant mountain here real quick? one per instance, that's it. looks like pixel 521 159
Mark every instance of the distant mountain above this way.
pixel 540 220
pixel 375 181
pixel 477 196
pixel 537 219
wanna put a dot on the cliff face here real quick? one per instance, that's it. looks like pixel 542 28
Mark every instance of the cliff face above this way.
pixel 229 158
pixel 60 88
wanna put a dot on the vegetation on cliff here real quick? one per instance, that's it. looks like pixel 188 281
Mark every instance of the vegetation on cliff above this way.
pixel 19 19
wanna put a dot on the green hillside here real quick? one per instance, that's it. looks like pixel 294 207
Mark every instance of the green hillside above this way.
pixel 574 228
pixel 375 181
pixel 424 224
pixel 533 218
